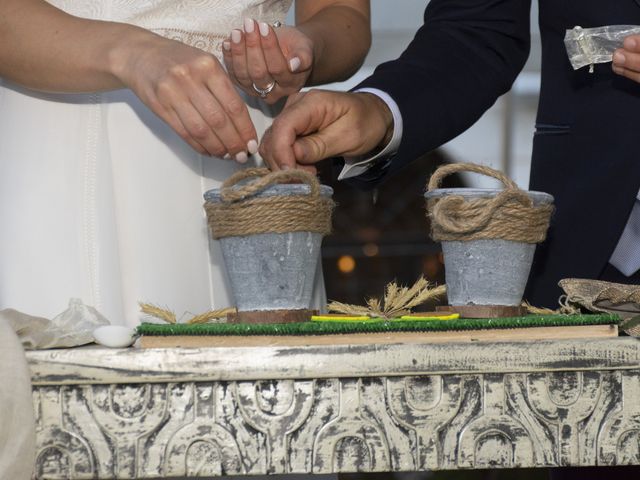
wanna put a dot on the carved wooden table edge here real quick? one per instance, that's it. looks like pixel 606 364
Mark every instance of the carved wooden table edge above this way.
pixel 265 410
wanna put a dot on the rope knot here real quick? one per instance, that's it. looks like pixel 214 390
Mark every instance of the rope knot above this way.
pixel 509 215
pixel 241 211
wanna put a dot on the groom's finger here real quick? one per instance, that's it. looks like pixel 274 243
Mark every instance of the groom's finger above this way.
pixel 313 148
pixel 300 117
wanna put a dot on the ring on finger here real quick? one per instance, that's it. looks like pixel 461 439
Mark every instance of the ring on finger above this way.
pixel 263 92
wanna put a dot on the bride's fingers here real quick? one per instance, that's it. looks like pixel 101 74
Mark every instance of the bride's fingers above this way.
pixel 218 120
pixel 169 108
pixel 226 57
pixel 276 63
pixel 239 59
pixel 198 128
pixel 256 64
pixel 171 117
pixel 232 107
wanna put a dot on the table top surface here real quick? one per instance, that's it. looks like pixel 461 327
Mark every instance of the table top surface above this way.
pixel 97 365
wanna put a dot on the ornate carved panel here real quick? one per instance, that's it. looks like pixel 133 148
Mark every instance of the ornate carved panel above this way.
pixel 204 429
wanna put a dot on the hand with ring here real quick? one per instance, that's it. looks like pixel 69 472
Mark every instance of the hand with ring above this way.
pixel 266 62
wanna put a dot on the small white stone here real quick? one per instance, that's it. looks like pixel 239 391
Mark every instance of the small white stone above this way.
pixel 114 336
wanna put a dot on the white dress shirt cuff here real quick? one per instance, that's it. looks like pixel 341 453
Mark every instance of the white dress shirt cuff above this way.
pixel 355 166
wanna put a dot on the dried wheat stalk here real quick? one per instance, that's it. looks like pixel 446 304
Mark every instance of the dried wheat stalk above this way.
pixel 397 301
pixel 211 316
pixel 158 312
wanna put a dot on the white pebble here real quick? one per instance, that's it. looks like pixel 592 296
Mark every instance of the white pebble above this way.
pixel 114 336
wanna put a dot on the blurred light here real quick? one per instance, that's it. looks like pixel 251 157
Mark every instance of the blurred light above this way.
pixel 346 264
pixel 370 249
pixel 368 234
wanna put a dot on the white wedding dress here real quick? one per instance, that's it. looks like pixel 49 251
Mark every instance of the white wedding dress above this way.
pixel 102 201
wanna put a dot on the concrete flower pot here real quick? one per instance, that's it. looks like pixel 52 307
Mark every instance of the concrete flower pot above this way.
pixel 272 271
pixel 486 271
pixel 488 239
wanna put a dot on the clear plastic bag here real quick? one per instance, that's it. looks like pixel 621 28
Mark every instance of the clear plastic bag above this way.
pixel 71 328
pixel 588 46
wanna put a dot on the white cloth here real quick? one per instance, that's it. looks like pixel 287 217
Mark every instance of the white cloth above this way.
pixel 102 201
pixel 199 23
pixel 626 256
pixel 17 420
pixel 355 166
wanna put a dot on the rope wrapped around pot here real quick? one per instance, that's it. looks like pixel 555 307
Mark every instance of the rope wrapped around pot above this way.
pixel 241 212
pixel 510 215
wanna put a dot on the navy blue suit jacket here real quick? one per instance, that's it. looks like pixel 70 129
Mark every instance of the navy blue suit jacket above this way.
pixel 587 140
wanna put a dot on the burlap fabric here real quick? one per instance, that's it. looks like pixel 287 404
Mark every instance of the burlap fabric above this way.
pixel 606 297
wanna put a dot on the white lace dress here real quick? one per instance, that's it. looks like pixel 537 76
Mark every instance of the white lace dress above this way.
pixel 99 199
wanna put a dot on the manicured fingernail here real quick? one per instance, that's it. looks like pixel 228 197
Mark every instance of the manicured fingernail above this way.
pixel 619 58
pixel 618 70
pixel 252 146
pixel 236 36
pixel 285 167
pixel 241 157
pixel 248 25
pixel 226 156
pixel 264 29
pixel 630 43
pixel 294 64
pixel 226 45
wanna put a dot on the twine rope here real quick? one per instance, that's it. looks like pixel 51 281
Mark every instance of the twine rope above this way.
pixel 510 215
pixel 241 213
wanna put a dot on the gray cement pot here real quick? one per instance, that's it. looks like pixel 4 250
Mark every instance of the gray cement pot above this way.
pixel 272 271
pixel 486 271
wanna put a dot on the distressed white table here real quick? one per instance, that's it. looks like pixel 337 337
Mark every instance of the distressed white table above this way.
pixel 260 410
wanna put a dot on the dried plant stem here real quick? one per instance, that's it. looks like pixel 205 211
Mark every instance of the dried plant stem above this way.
pixel 397 301
pixel 566 308
pixel 158 312
pixel 211 315
pixel 348 309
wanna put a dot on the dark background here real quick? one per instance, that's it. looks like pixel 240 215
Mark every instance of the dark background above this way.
pixel 381 235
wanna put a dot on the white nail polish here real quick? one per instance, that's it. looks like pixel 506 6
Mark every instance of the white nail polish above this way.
pixel 294 64
pixel 248 25
pixel 264 29
pixel 236 36
pixel 241 157
pixel 252 146
pixel 226 45
pixel 226 156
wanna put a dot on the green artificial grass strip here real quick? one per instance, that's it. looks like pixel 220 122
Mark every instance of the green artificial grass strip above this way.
pixel 331 328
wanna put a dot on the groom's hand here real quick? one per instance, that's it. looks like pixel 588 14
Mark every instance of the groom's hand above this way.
pixel 321 124
pixel 626 60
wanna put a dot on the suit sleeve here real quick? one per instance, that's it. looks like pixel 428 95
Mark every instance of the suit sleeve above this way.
pixel 466 54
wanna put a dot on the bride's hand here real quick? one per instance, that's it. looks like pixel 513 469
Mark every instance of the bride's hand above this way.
pixel 191 91
pixel 261 55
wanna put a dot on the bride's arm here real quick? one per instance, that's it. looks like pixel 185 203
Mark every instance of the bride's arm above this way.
pixel 341 35
pixel 44 48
